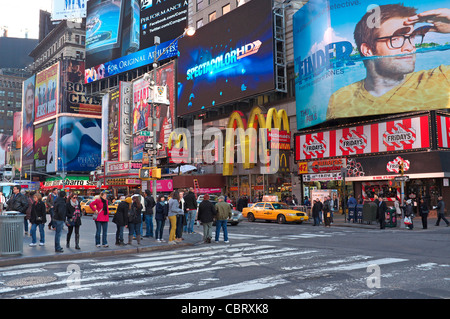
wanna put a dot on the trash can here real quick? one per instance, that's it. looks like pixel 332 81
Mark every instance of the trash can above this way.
pixel 369 212
pixel 11 233
pixel 352 213
pixel 391 217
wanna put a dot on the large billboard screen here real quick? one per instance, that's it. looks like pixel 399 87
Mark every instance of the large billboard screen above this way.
pixel 215 70
pixel 45 147
pixel 28 97
pixel 79 144
pixel 120 34
pixel 47 92
pixel 357 59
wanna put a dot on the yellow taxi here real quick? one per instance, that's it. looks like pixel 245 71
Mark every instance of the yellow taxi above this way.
pixel 86 209
pixel 280 212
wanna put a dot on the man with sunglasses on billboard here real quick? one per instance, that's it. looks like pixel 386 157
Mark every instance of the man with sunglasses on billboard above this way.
pixel 389 49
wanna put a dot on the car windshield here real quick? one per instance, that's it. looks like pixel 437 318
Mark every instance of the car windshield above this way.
pixel 280 206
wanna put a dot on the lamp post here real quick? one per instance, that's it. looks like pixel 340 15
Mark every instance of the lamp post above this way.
pixel 152 121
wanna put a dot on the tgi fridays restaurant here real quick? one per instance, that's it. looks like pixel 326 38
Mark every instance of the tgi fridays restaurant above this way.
pixel 370 154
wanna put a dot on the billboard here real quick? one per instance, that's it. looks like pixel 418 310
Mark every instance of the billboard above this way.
pixel 28 97
pixel 215 70
pixel 391 136
pixel 113 124
pixel 47 92
pixel 73 95
pixel 65 9
pixel 120 34
pixel 165 114
pixel 79 143
pixel 358 59
pixel 45 147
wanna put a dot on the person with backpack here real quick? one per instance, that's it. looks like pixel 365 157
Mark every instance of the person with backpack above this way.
pixel 73 220
pixel 121 219
pixel 162 210
pixel 135 219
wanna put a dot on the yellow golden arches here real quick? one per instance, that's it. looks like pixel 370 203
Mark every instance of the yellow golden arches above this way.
pixel 178 138
pixel 247 140
pixel 278 118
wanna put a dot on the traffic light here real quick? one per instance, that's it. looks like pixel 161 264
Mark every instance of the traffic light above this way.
pixel 401 168
pixel 145 173
pixel 156 173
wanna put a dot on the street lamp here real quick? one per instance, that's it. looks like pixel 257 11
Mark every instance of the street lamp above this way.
pixel 151 79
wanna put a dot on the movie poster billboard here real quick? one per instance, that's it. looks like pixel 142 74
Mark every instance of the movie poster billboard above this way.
pixel 113 124
pixel 5 143
pixel 28 97
pixel 79 144
pixel 47 92
pixel 215 70
pixel 17 130
pixel 356 59
pixel 45 147
pixel 120 34
pixel 73 97
pixel 164 114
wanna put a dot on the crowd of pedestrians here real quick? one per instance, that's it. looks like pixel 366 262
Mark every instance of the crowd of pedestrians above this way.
pixel 60 209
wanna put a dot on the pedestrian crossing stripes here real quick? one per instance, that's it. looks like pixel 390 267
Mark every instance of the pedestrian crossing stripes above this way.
pixel 176 274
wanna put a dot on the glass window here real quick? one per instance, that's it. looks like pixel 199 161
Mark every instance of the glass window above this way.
pixel 199 5
pixel 212 16
pixel 259 205
pixel 199 23
pixel 226 9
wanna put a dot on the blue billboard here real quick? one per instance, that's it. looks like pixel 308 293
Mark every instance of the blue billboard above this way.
pixel 228 59
pixel 357 58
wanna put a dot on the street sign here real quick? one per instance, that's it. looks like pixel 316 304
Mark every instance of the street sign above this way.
pixel 148 146
pixel 145 133
pixel 401 178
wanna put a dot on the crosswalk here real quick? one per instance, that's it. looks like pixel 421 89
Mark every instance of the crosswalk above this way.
pixel 196 272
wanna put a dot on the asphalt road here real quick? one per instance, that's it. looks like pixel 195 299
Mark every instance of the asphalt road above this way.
pixel 262 261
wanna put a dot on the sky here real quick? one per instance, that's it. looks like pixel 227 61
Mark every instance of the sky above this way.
pixel 19 15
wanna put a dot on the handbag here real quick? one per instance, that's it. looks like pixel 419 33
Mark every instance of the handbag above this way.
pixel 407 221
pixel 94 217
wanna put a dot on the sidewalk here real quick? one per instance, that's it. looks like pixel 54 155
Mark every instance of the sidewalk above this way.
pixel 88 249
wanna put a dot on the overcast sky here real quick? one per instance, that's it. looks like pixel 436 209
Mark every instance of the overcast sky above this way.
pixel 20 15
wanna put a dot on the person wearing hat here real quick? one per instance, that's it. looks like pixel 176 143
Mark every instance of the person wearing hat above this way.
pixel 121 219
pixel 223 214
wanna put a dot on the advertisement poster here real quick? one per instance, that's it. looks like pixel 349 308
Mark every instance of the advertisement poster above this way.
pixel 5 143
pixel 125 137
pixel 73 97
pixel 79 144
pixel 27 122
pixel 45 147
pixel 360 59
pixel 68 9
pixel 113 125
pixel 17 131
pixel 214 70
pixel 120 34
pixel 165 114
pixel 47 92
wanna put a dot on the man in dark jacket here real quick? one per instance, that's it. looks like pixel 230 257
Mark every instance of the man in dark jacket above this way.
pixel 441 211
pixel 59 216
pixel 206 213
pixel 316 209
pixel 381 212
pixel 17 202
pixel 121 219
pixel 190 204
pixel 148 213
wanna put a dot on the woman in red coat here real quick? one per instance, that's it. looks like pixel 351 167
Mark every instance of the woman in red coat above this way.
pixel 100 207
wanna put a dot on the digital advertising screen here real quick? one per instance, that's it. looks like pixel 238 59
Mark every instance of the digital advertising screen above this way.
pixel 120 34
pixel 47 92
pixel 28 97
pixel 356 58
pixel 228 59
pixel 45 147
pixel 79 143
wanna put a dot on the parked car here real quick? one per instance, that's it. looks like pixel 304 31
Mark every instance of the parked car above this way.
pixel 269 211
pixel 86 209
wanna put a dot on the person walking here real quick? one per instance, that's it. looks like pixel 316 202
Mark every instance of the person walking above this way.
pixel 317 207
pixel 135 219
pixel 223 214
pixel 148 213
pixel 37 219
pixel 73 220
pixel 101 210
pixel 206 213
pixel 327 211
pixel 441 211
pixel 190 203
pixel 174 210
pixel 59 217
pixel 121 219
pixel 409 213
pixel 381 212
pixel 423 211
pixel 161 212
